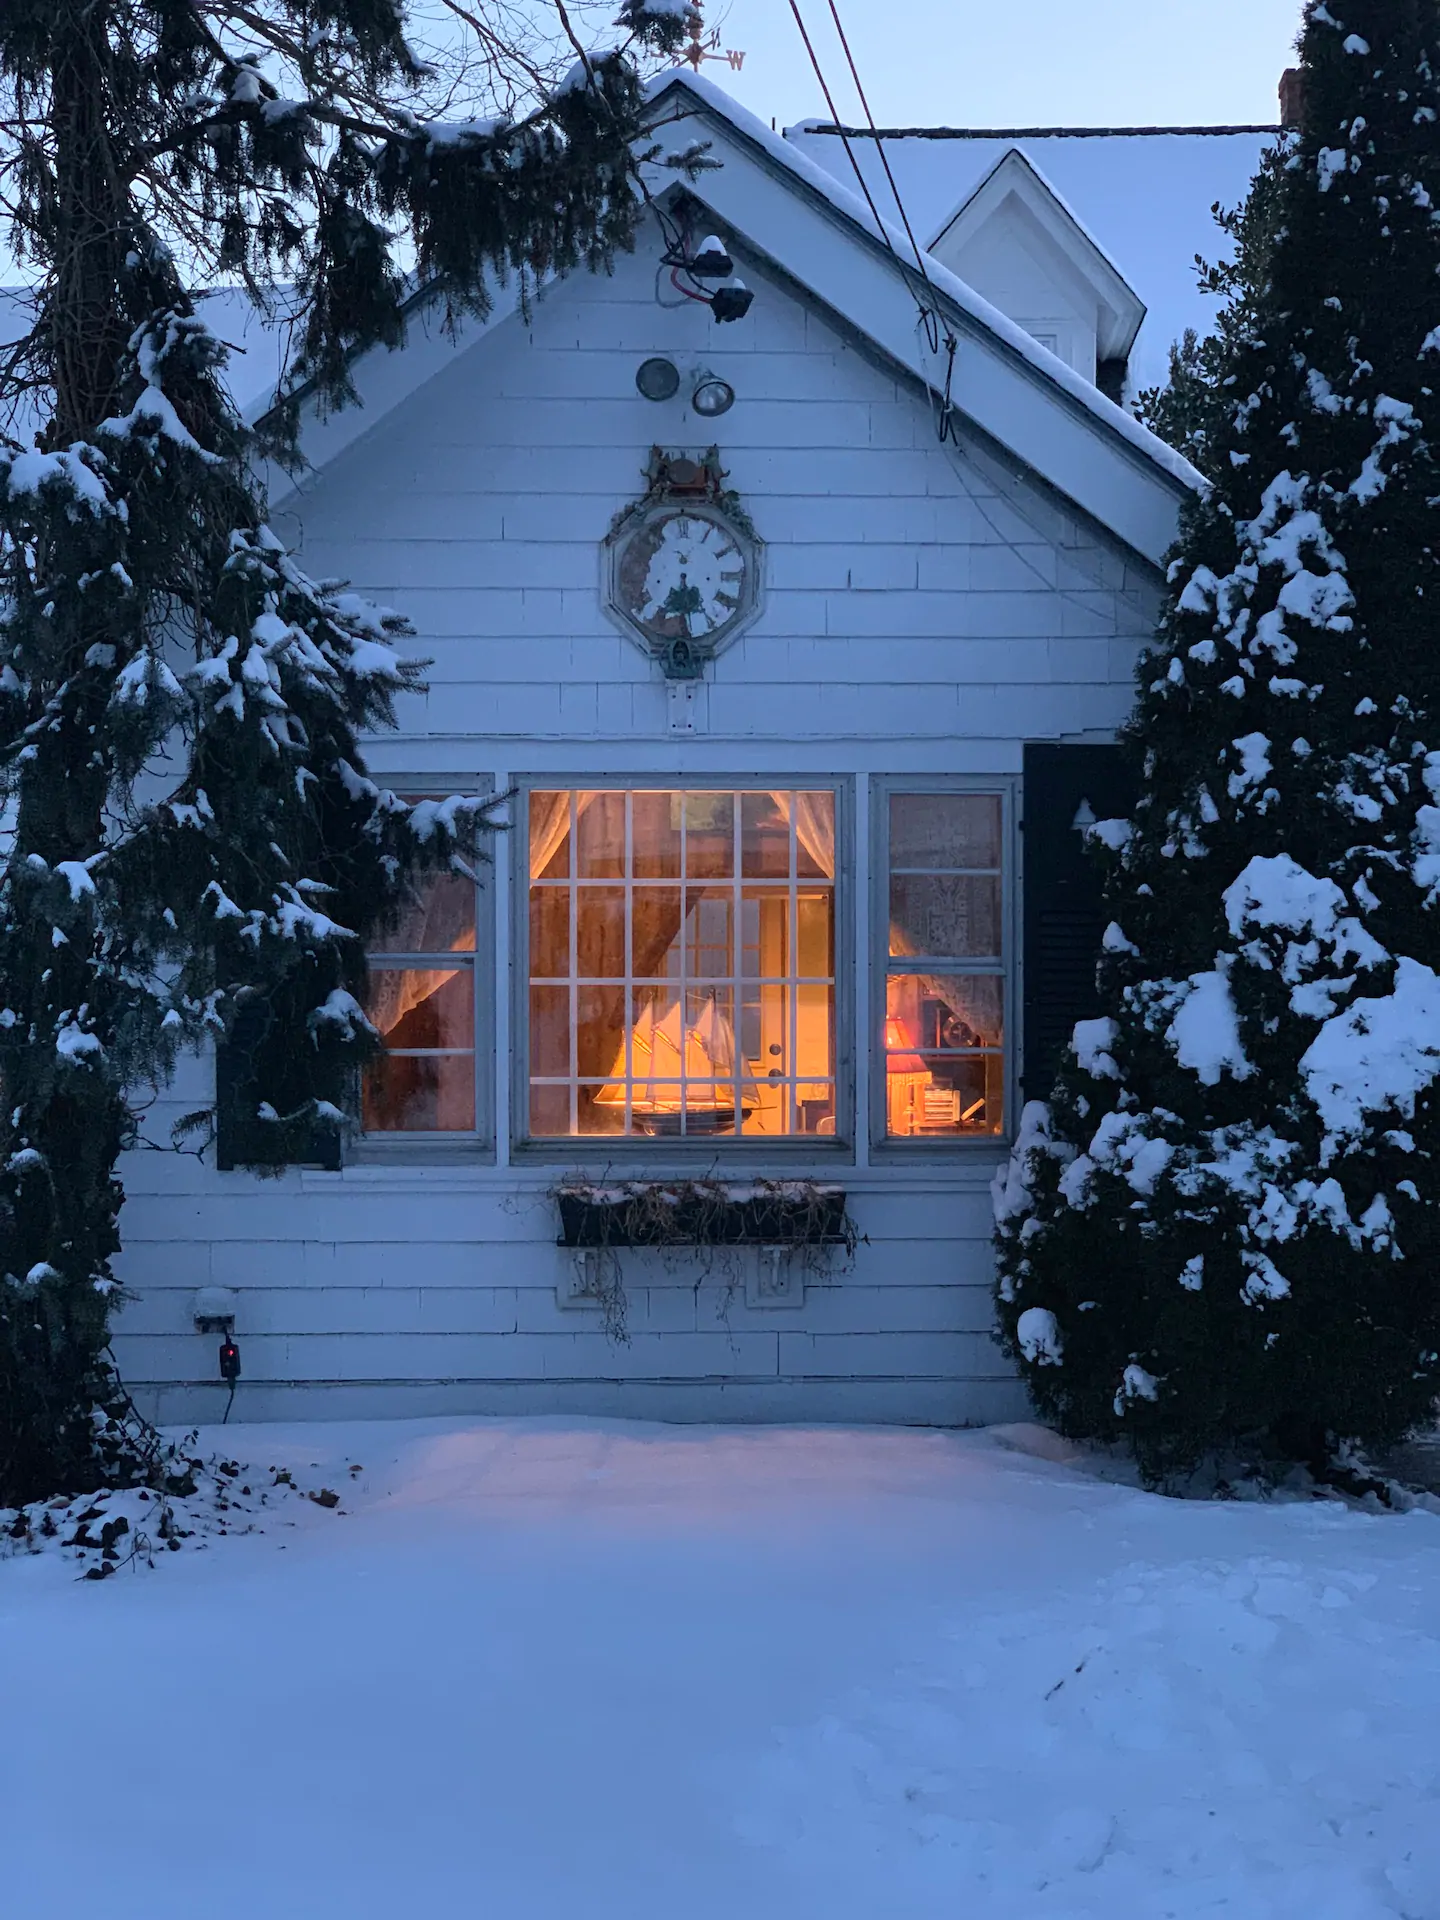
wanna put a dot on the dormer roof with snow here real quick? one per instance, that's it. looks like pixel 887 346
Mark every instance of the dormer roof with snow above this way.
pixel 1014 239
pixel 1142 197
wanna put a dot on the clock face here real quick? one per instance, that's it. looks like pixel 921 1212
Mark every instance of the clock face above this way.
pixel 683 575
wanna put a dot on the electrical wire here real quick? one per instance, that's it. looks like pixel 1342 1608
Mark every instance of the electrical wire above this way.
pixel 678 239
pixel 879 143
pixel 688 292
pixel 880 226
pixel 930 317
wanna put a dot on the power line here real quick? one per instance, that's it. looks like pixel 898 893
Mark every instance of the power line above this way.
pixel 929 313
pixel 844 135
pixel 879 142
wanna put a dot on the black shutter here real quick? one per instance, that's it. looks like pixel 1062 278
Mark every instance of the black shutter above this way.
pixel 1065 915
pixel 242 1139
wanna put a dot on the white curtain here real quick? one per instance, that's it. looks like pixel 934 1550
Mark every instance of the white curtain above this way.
pixel 814 815
pixel 550 823
pixel 442 920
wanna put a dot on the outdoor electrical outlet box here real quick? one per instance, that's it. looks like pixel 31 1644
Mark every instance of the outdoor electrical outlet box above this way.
pixel 214 1310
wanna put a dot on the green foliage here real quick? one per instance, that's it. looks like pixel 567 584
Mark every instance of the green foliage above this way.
pixel 193 841
pixel 1191 410
pixel 1223 1233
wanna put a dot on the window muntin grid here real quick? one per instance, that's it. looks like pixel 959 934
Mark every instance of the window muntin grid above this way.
pixel 943 1041
pixel 420 995
pixel 682 963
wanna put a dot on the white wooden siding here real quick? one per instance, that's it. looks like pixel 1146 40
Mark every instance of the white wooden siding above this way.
pixel 925 610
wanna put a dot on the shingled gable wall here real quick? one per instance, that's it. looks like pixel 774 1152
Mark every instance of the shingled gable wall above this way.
pixel 926 609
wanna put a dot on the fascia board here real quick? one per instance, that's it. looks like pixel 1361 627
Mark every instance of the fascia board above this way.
pixel 1033 416
pixel 1014 173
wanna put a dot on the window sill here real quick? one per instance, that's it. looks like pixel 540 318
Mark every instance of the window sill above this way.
pixel 720 1158
pixel 937 1151
pixel 425 1150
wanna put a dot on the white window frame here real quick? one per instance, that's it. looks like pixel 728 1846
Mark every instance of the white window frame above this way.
pixel 726 1153
pixel 378 1149
pixel 885 1146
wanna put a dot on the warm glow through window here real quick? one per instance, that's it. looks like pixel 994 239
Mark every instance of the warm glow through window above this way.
pixel 944 1035
pixel 421 997
pixel 682 963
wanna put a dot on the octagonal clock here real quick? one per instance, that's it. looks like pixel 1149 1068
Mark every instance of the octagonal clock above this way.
pixel 683 578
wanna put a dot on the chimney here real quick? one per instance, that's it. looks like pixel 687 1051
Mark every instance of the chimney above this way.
pixel 1292 97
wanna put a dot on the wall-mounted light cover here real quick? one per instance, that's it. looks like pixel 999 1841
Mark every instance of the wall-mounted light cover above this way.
pixel 732 301
pixel 658 379
pixel 711 261
pixel 712 397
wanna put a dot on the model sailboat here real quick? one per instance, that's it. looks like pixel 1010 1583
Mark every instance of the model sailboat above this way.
pixel 674 1064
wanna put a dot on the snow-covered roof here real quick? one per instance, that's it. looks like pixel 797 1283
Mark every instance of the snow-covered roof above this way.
pixel 1143 194
pixel 782 208
pixel 846 200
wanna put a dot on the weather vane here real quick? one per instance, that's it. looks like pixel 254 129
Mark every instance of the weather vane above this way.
pixel 706 46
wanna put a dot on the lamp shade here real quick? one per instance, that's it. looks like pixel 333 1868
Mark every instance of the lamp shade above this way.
pixel 899 1057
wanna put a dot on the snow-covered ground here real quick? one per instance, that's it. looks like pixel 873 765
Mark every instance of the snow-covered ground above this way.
pixel 540 1670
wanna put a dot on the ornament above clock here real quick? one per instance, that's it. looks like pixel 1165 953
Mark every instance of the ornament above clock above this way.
pixel 682 572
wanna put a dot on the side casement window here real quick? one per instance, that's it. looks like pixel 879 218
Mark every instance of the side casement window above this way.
pixel 1066 789
pixel 943 891
pixel 422 994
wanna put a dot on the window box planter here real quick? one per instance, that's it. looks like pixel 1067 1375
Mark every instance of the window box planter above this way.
pixel 704 1214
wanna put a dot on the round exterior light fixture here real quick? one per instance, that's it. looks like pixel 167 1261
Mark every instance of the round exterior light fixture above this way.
pixel 658 379
pixel 712 397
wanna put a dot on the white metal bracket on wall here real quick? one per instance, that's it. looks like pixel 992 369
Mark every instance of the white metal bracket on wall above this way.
pixel 580 1279
pixel 774 1279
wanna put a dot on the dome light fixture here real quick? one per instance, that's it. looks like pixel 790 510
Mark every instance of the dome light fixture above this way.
pixel 712 396
pixel 658 379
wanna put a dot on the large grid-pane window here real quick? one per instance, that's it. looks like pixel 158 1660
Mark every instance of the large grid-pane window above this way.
pixel 420 995
pixel 682 963
pixel 944 1038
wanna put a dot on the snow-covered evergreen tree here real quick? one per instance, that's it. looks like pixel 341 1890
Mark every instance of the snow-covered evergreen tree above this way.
pixel 1225 1229
pixel 1191 409
pixel 191 838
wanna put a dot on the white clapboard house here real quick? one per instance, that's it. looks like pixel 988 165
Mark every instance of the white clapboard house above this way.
pixel 800 640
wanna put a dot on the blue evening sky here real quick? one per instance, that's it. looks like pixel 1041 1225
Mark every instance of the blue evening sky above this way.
pixel 1026 63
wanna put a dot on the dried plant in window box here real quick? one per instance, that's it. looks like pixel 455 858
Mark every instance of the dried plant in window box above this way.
pixel 704 1213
